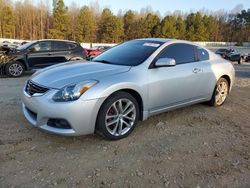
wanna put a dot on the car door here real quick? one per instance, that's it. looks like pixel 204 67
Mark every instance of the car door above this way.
pixel 173 86
pixel 62 51
pixel 206 78
pixel 39 55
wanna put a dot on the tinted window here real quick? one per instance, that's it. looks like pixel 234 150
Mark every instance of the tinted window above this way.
pixel 181 53
pixel 221 50
pixel 41 47
pixel 72 45
pixel 60 46
pixel 130 53
pixel 202 54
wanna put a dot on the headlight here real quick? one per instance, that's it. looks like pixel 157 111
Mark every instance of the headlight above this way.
pixel 74 91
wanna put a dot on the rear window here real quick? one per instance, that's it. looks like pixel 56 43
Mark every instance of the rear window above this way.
pixel 60 46
pixel 221 50
pixel 72 46
pixel 64 46
pixel 203 55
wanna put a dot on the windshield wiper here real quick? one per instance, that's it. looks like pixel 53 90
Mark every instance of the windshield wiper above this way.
pixel 102 61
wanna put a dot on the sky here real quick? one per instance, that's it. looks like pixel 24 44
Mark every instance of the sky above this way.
pixel 165 6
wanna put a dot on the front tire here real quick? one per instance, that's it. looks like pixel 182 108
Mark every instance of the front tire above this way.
pixel 15 69
pixel 118 116
pixel 220 93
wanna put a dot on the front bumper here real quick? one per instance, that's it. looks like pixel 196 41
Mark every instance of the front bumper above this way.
pixel 80 114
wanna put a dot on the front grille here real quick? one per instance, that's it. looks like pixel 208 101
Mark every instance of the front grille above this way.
pixel 31 88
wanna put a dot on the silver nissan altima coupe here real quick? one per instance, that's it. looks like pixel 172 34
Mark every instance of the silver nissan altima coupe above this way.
pixel 129 82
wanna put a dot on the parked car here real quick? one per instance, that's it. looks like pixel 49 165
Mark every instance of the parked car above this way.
pixel 5 49
pixel 4 43
pixel 42 53
pixel 93 52
pixel 230 54
pixel 130 82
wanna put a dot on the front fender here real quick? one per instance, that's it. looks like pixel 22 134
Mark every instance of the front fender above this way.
pixel 104 91
pixel 22 60
pixel 135 79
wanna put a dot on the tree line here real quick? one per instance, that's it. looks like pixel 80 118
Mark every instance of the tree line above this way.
pixel 28 21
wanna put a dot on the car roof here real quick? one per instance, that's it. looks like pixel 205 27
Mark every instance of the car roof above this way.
pixel 57 40
pixel 168 40
pixel 157 39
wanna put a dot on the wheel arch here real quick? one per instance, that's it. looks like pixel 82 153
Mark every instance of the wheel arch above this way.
pixel 21 61
pixel 132 92
pixel 228 79
pixel 138 97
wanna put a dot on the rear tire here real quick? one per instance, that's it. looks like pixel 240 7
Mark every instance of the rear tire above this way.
pixel 117 116
pixel 15 69
pixel 220 93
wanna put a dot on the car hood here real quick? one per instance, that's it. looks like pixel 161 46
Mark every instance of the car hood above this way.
pixel 9 51
pixel 64 74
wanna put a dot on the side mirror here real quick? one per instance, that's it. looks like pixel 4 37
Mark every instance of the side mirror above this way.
pixel 165 62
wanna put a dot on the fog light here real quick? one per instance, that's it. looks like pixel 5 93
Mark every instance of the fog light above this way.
pixel 59 123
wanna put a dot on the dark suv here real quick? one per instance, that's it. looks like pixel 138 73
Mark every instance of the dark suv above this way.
pixel 230 54
pixel 40 54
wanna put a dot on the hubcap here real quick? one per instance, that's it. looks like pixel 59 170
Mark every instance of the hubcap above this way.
pixel 15 69
pixel 120 117
pixel 221 93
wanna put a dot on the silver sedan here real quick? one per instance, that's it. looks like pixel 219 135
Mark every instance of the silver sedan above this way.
pixel 125 84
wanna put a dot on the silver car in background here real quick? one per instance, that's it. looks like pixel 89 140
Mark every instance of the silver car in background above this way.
pixel 128 83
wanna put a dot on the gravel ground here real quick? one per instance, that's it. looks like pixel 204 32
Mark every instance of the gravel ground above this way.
pixel 197 146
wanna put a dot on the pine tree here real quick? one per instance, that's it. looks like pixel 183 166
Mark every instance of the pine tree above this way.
pixel 167 28
pixel 111 27
pixel 190 30
pixel 200 30
pixel 60 20
pixel 195 28
pixel 149 25
pixel 129 20
pixel 86 25
pixel 211 27
pixel 181 28
pixel 7 22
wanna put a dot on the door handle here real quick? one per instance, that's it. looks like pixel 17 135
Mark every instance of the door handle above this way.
pixel 196 70
pixel 49 54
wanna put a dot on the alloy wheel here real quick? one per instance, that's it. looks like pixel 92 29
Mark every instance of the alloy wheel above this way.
pixel 120 117
pixel 15 69
pixel 221 93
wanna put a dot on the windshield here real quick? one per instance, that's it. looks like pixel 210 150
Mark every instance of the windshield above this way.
pixel 129 53
pixel 25 46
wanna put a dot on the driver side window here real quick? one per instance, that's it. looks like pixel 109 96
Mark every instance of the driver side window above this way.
pixel 41 47
pixel 182 53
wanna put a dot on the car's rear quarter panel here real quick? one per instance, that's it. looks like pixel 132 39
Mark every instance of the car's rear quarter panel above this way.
pixel 221 68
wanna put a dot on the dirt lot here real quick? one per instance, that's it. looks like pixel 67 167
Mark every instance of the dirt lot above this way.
pixel 198 146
